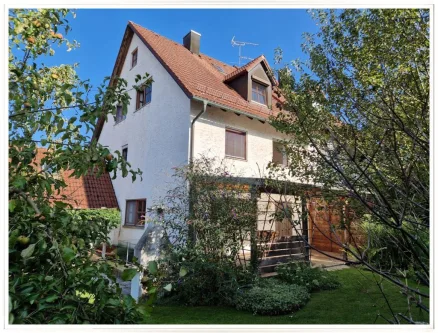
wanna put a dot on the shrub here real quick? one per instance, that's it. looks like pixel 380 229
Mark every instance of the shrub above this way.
pixel 203 282
pixel 384 245
pixel 311 278
pixel 272 298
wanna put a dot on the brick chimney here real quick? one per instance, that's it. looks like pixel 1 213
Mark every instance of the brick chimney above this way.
pixel 192 41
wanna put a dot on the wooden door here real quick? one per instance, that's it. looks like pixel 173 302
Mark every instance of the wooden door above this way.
pixel 323 220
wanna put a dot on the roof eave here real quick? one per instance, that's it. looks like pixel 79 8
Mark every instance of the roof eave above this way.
pixel 222 106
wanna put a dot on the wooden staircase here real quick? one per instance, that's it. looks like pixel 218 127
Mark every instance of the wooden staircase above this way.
pixel 278 252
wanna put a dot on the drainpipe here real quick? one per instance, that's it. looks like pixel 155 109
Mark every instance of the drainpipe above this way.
pixel 192 129
pixel 192 232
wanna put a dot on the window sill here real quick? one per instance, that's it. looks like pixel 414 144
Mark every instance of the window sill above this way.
pixel 236 158
pixel 142 107
pixel 280 165
pixel 261 104
pixel 134 226
pixel 119 122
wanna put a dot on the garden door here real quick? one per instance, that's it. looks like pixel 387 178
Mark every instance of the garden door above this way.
pixel 323 222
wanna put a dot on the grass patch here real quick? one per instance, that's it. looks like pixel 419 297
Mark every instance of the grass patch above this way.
pixel 357 301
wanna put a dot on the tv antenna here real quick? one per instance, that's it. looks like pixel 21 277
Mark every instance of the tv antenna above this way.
pixel 239 45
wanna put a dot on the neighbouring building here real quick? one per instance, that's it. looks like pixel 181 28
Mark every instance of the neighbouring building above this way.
pixel 85 192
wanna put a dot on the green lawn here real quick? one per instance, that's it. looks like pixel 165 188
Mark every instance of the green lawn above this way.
pixel 358 301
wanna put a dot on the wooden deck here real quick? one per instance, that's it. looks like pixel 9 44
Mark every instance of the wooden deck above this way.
pixel 320 260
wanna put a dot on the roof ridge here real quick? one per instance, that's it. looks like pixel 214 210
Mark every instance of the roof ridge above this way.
pixel 173 41
pixel 244 67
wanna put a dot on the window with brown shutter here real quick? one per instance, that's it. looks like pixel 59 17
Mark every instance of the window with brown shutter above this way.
pixel 235 143
pixel 135 214
pixel 134 58
pixel 278 154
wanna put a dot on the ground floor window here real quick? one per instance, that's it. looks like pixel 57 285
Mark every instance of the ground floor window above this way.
pixel 135 212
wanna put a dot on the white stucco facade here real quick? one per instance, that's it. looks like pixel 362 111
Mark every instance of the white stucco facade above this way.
pixel 157 136
pixel 210 139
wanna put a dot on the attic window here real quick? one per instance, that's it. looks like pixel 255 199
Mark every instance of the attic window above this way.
pixel 125 153
pixel 119 114
pixel 220 69
pixel 134 58
pixel 259 92
pixel 144 96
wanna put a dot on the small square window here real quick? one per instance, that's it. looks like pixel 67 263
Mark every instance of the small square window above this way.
pixel 235 143
pixel 134 58
pixel 125 153
pixel 135 214
pixel 119 114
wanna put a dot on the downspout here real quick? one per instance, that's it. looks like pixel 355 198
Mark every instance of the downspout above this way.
pixel 192 129
pixel 192 233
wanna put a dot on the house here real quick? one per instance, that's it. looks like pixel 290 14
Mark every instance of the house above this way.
pixel 85 192
pixel 196 105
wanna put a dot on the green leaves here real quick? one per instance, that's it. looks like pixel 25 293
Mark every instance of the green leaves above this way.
pixel 59 259
pixel 12 205
pixel 128 274
pixel 27 252
pixel 182 272
pixel 68 254
pixel 19 182
pixel 51 298
pixel 152 267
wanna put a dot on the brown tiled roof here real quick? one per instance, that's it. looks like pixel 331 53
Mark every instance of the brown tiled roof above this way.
pixel 250 65
pixel 197 75
pixel 88 191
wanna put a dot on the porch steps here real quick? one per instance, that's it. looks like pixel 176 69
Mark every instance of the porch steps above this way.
pixel 266 275
pixel 280 252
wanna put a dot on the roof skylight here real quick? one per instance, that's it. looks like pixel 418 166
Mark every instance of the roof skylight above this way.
pixel 220 69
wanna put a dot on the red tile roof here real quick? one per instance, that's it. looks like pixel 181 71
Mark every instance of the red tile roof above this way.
pixel 88 191
pixel 250 65
pixel 197 75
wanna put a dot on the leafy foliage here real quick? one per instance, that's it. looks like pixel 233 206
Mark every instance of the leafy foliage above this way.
pixel 357 115
pixel 312 278
pixel 384 246
pixel 272 297
pixel 206 225
pixel 52 277
pixel 205 283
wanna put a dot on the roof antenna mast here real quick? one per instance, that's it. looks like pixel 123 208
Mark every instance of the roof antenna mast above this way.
pixel 239 45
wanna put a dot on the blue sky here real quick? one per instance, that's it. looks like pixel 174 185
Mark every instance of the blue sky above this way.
pixel 100 31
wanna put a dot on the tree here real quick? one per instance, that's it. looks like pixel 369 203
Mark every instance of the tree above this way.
pixel 358 120
pixel 52 278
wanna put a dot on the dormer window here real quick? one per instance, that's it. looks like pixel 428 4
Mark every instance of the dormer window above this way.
pixel 134 58
pixel 259 93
